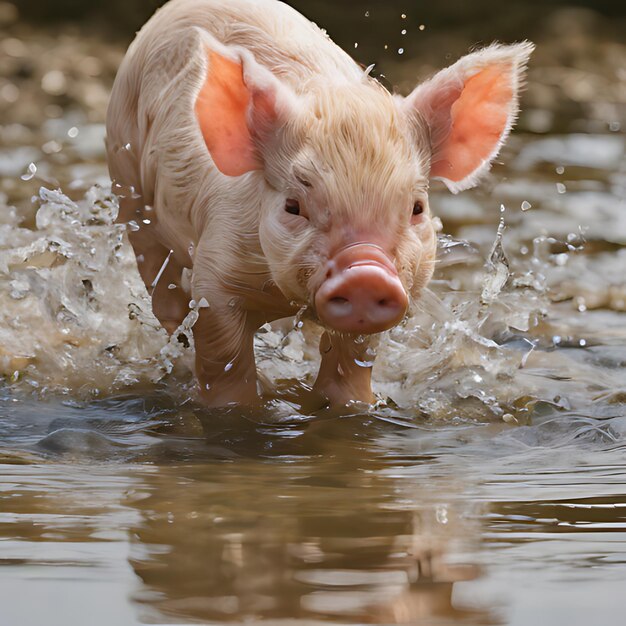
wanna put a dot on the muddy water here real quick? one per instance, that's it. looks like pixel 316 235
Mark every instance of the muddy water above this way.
pixel 488 486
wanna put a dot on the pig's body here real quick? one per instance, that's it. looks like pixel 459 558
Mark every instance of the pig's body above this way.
pixel 220 110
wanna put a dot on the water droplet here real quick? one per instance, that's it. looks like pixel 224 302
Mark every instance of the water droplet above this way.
pixel 162 269
pixel 403 31
pixel 400 50
pixel 171 286
pixel 31 171
pixel 561 188
pixel 146 221
pixel 228 366
pixel 560 170
pixel 367 13
pixel 403 16
pixel 361 363
pixel 561 259
pixel 556 340
pixel 526 205
pixel 615 127
pixel 386 46
pixel 73 132
pixel 422 26
pixel 497 266
pixel 298 323
pixel 127 146
pixel 582 343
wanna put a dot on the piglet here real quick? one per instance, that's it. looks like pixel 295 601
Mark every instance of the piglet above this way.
pixel 262 170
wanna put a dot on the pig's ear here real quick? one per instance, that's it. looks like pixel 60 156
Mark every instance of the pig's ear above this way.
pixel 238 107
pixel 469 109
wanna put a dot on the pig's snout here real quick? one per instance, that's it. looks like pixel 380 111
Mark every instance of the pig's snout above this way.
pixel 362 292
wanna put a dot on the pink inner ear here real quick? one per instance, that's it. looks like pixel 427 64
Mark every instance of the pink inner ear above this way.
pixel 479 118
pixel 222 112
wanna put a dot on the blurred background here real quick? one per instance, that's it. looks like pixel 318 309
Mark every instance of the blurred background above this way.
pixel 64 53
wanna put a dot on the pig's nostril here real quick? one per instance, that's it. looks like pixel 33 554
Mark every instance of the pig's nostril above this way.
pixel 382 302
pixel 339 307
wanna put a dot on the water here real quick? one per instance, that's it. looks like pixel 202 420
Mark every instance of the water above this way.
pixel 488 485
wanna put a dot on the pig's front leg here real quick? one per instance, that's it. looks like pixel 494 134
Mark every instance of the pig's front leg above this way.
pixel 225 367
pixel 346 369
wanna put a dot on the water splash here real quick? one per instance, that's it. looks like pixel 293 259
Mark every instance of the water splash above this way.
pixel 497 269
pixel 76 317
pixel 74 314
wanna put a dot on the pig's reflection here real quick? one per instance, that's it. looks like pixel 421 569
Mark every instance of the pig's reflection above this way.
pixel 310 527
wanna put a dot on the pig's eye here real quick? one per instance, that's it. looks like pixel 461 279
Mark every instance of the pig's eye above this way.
pixel 418 208
pixel 292 207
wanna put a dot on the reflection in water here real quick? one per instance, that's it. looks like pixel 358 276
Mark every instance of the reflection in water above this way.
pixel 303 520
pixel 221 517
pixel 308 528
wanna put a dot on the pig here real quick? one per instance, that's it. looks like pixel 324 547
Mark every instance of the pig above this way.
pixel 262 170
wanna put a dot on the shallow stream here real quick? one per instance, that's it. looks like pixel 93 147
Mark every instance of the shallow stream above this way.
pixel 488 485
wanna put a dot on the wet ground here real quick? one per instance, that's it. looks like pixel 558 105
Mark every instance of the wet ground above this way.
pixel 488 486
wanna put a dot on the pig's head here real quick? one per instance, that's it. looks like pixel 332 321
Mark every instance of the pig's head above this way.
pixel 344 219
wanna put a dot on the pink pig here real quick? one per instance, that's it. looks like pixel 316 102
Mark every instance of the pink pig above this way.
pixel 253 151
